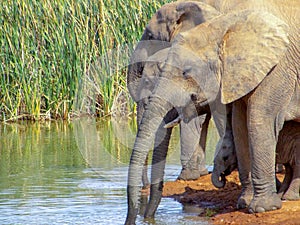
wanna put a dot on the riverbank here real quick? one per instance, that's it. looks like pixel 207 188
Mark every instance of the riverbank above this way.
pixel 220 204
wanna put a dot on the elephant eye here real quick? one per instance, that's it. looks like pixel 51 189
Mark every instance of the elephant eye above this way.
pixel 194 97
pixel 150 36
pixel 160 67
pixel 147 82
pixel 187 70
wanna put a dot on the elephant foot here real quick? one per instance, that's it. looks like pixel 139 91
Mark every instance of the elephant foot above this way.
pixel 245 198
pixel 203 172
pixel 191 174
pixel 291 196
pixel 265 203
pixel 292 192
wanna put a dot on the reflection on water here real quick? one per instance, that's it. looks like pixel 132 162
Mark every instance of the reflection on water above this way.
pixel 74 173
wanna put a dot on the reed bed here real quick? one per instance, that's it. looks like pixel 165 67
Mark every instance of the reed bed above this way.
pixel 64 58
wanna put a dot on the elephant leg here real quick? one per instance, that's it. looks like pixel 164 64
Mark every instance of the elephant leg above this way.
pixel 160 151
pixel 190 170
pixel 262 148
pixel 292 192
pixel 268 107
pixel 143 204
pixel 192 151
pixel 286 181
pixel 240 131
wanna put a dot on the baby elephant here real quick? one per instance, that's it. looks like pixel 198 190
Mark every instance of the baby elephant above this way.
pixel 287 153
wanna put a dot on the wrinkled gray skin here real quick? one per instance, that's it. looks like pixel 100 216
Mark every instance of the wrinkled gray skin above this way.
pixel 225 160
pixel 249 59
pixel 169 20
pixel 192 134
pixel 253 104
pixel 287 153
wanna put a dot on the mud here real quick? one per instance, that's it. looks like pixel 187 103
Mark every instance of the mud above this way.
pixel 219 205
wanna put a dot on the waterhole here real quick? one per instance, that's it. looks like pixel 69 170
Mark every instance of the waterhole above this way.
pixel 76 173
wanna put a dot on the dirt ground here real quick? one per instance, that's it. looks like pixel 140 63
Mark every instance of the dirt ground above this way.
pixel 220 204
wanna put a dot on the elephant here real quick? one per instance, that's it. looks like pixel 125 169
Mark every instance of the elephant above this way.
pixel 225 160
pixel 287 153
pixel 280 8
pixel 162 28
pixel 192 134
pixel 246 58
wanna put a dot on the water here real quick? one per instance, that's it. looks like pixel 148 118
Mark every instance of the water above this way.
pixel 75 173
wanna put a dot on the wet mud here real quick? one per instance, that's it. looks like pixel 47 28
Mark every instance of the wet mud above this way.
pixel 219 205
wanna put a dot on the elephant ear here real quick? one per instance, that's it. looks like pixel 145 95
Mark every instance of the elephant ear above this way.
pixel 251 47
pixel 190 14
pixel 151 72
pixel 138 59
pixel 158 59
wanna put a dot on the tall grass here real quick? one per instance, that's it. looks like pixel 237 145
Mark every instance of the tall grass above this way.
pixel 60 58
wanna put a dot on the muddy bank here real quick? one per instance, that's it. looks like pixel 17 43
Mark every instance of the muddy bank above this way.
pixel 220 204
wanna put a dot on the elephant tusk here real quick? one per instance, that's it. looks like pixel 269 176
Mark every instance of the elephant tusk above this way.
pixel 174 122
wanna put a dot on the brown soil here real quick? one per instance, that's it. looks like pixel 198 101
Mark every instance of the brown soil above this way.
pixel 220 204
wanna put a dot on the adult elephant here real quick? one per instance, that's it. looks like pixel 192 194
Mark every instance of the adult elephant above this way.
pixel 193 134
pixel 249 59
pixel 162 28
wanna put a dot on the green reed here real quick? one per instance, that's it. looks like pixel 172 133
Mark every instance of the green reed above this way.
pixel 63 58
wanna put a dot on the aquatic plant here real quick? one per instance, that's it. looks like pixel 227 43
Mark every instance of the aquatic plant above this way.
pixel 64 58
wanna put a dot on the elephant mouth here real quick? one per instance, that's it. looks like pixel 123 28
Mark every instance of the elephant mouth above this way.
pixel 229 170
pixel 226 172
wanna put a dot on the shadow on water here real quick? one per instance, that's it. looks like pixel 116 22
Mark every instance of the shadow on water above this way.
pixel 75 173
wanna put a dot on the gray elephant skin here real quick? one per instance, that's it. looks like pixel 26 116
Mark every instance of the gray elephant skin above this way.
pixel 287 153
pixel 247 58
pixel 142 73
pixel 169 20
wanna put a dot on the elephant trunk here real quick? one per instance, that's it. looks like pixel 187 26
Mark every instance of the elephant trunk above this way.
pixel 150 123
pixel 161 144
pixel 218 178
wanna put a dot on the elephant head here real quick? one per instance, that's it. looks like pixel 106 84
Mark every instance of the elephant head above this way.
pixel 151 71
pixel 225 58
pixel 165 24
